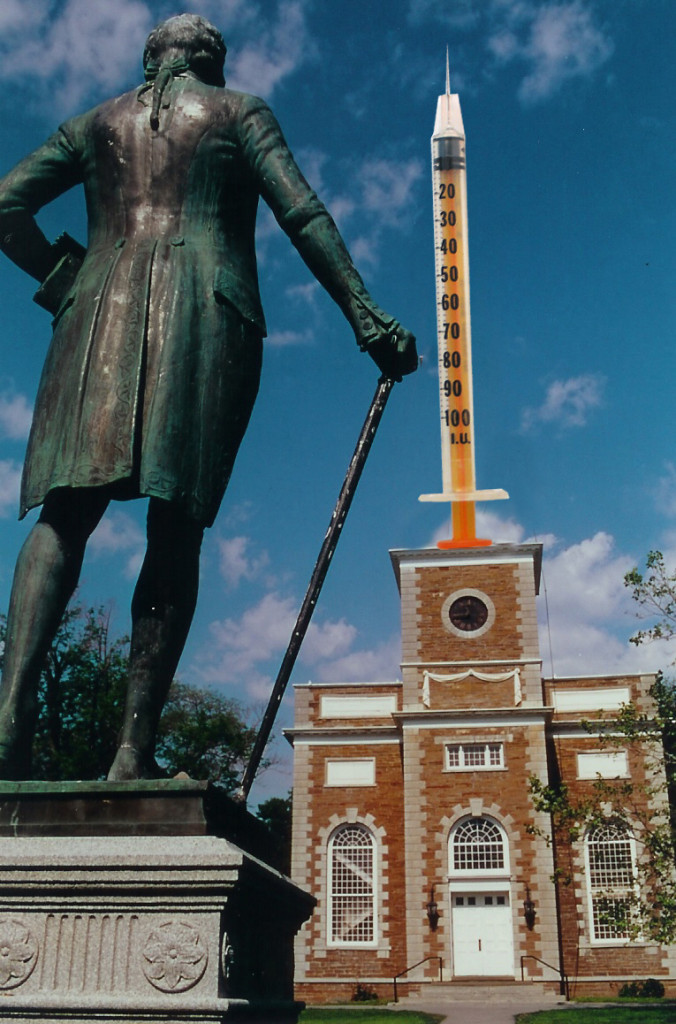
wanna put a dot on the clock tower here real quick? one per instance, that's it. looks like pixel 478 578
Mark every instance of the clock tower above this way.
pixel 473 728
pixel 468 614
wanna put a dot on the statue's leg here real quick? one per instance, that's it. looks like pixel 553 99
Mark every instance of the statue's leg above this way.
pixel 162 610
pixel 46 574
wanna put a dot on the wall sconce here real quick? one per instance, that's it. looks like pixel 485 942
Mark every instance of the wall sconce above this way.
pixel 432 911
pixel 529 910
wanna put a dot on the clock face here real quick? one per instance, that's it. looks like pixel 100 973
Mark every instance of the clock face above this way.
pixel 468 613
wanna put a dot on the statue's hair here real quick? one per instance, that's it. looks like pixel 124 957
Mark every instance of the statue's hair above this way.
pixel 200 41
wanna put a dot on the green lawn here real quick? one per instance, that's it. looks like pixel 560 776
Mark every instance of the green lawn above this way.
pixel 356 1014
pixel 629 1013
pixel 632 1013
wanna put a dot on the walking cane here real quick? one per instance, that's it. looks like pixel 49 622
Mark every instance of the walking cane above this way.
pixel 368 432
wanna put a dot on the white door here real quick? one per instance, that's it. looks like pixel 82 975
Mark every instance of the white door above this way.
pixel 482 934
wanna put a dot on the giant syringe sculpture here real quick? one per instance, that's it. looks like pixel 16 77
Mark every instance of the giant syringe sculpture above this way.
pixel 453 325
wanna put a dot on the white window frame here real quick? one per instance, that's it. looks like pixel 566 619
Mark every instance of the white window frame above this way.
pixel 500 870
pixel 463 750
pixel 625 892
pixel 332 897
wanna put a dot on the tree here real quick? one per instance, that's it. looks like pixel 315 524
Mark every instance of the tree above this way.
pixel 646 807
pixel 275 813
pixel 204 735
pixel 655 593
pixel 81 699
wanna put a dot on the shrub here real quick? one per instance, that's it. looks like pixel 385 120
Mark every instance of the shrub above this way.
pixel 363 994
pixel 649 989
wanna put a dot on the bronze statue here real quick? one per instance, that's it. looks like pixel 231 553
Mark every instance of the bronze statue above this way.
pixel 155 359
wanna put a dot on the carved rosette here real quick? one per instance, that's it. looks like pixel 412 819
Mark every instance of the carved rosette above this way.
pixel 174 957
pixel 18 953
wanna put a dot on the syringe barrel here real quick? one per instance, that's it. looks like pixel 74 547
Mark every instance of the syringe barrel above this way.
pixel 449 154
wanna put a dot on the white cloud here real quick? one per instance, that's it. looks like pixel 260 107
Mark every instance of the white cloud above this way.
pixel 313 161
pixel 553 42
pixel 564 43
pixel 258 685
pixel 327 640
pixel 489 525
pixel 118 534
pixel 282 339
pixel 387 188
pixel 567 403
pixel 382 198
pixel 364 249
pixel 277 50
pixel 556 41
pixel 15 416
pixel 591 613
pixel 341 208
pixel 242 647
pixel 81 50
pixel 236 562
pixel 665 492
pixel 377 664
pixel 239 645
pixel 17 15
pixel 225 14
pixel 305 293
pixel 586 614
pixel 84 49
pixel 461 14
pixel 10 483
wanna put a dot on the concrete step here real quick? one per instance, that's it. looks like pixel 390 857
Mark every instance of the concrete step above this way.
pixel 482 990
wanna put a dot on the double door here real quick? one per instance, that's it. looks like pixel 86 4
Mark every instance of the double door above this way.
pixel 482 934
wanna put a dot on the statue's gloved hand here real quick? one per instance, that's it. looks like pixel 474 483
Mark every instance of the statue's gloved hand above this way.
pixel 393 353
pixel 390 345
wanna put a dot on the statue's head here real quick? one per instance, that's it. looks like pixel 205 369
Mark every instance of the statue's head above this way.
pixel 189 37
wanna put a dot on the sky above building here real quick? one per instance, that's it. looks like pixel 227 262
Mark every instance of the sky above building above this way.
pixel 569 111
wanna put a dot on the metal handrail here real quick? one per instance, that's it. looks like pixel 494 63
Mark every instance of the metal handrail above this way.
pixel 412 967
pixel 563 982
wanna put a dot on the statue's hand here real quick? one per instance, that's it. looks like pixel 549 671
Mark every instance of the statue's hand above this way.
pixel 394 352
pixel 390 345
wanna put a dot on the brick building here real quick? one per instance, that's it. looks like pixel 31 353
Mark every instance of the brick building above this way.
pixel 414 824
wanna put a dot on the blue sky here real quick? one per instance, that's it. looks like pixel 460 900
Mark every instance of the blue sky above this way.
pixel 569 111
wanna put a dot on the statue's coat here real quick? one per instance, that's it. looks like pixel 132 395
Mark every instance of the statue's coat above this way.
pixel 154 364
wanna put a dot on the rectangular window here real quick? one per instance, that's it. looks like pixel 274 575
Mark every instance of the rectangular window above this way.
pixel 611 917
pixel 611 876
pixel 352 887
pixel 474 756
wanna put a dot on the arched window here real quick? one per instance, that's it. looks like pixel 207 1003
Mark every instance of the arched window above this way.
pixel 478 844
pixel 352 886
pixel 611 875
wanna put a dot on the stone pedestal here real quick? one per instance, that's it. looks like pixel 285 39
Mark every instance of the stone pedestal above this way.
pixel 128 902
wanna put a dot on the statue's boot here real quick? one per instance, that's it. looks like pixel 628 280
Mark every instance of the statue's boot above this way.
pixel 162 611
pixel 46 574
